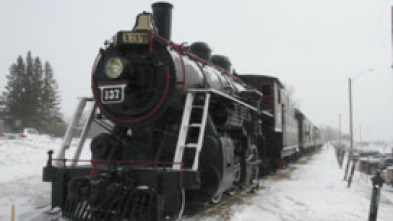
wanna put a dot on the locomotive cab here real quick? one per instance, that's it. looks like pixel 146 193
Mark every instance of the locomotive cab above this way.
pixel 281 131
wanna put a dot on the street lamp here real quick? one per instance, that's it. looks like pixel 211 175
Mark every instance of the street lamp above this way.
pixel 350 154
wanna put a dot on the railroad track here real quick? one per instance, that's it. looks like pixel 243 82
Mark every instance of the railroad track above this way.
pixel 223 208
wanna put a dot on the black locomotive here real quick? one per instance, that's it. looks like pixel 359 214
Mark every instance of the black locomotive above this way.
pixel 185 129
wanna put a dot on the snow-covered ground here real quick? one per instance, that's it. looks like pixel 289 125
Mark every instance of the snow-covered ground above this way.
pixel 310 190
pixel 313 190
pixel 21 163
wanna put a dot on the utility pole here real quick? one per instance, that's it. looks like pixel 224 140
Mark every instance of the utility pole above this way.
pixel 350 128
pixel 350 153
pixel 350 115
pixel 354 160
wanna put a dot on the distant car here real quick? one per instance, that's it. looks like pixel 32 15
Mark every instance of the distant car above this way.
pixel 387 174
pixel 385 162
pixel 370 162
pixel 29 132
pixel 361 153
pixel 369 165
pixel 21 134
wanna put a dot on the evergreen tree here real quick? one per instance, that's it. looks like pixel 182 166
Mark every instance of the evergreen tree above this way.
pixel 50 99
pixel 15 92
pixel 32 96
pixel 28 100
pixel 36 84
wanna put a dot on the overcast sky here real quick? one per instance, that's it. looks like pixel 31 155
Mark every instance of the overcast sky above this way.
pixel 312 45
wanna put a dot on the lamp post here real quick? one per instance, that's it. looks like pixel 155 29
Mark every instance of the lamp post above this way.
pixel 350 153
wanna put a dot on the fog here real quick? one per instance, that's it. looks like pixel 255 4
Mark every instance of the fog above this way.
pixel 312 45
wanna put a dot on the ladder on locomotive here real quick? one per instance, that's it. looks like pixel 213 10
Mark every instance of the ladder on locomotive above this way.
pixel 72 126
pixel 194 117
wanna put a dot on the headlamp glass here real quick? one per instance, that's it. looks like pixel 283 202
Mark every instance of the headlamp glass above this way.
pixel 113 67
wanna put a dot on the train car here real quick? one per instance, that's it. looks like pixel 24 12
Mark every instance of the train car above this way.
pixel 182 129
pixel 289 134
pixel 309 134
pixel 281 130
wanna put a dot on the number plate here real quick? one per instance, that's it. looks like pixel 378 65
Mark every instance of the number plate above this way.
pixel 112 94
pixel 136 38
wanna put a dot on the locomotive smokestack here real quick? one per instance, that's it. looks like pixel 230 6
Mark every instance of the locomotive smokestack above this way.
pixel 162 13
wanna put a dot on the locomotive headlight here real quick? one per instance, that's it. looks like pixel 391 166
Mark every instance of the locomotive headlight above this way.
pixel 113 68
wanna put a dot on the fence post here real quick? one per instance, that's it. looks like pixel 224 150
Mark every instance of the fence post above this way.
pixel 342 154
pixel 347 167
pixel 13 212
pixel 377 185
pixel 354 161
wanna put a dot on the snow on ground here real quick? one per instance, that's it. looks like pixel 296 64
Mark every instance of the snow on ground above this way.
pixel 309 190
pixel 316 191
pixel 21 163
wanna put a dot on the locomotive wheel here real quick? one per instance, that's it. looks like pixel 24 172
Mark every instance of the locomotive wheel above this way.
pixel 216 199
pixel 232 191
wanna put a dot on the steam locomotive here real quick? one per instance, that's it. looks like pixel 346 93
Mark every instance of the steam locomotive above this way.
pixel 183 129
